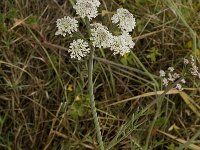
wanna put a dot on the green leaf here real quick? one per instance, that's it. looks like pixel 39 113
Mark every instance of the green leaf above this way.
pixel 127 59
pixel 130 59
pixel 79 107
pixel 12 14
pixel 160 121
pixel 32 20
pixel 188 44
pixel 171 147
pixel 124 61
pixel 153 54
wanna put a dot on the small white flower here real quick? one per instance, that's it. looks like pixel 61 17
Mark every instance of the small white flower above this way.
pixel 170 77
pixel 78 48
pixel 194 69
pixel 192 58
pixel 100 36
pixel 165 82
pixel 186 61
pixel 125 19
pixel 122 44
pixel 128 39
pixel 176 75
pixel 162 73
pixel 183 81
pixel 87 8
pixel 66 25
pixel 171 69
pixel 179 87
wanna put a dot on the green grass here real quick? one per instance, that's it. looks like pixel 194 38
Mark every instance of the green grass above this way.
pixel 44 100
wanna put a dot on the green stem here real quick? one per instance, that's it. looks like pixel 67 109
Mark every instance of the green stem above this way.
pixel 193 34
pixel 91 90
pixel 92 102
pixel 146 71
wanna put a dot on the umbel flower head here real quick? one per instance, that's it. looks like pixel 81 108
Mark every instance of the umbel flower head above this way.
pixel 66 25
pixel 194 70
pixel 125 20
pixel 78 48
pixel 122 44
pixel 100 36
pixel 170 76
pixel 87 8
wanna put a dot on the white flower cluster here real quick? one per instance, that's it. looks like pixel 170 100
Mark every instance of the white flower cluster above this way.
pixel 171 76
pixel 100 36
pixel 122 44
pixel 87 8
pixel 66 25
pixel 125 20
pixel 78 48
pixel 194 70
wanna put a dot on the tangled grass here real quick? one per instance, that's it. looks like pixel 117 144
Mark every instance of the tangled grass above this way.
pixel 44 102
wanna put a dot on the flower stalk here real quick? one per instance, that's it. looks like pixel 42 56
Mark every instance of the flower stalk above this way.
pixel 92 101
pixel 91 90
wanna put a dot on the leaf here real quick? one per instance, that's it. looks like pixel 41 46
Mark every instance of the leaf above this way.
pixel 159 122
pixel 70 87
pixel 32 20
pixel 127 59
pixel 124 61
pixel 171 147
pixel 130 59
pixel 81 111
pixel 12 14
pixel 188 100
pixel 153 54
pixel 188 45
pixel 197 53
pixel 79 107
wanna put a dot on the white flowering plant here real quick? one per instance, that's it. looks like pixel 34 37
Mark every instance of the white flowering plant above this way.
pixel 99 37
pixel 170 76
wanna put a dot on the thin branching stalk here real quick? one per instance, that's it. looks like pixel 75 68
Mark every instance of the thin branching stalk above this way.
pixel 92 102
pixel 159 102
pixel 146 71
pixel 91 92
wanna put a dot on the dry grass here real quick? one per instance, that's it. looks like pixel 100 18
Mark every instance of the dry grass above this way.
pixel 43 93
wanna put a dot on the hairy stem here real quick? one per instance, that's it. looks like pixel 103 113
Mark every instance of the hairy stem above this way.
pixel 92 102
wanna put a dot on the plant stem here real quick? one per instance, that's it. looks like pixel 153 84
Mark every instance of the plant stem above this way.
pixel 146 71
pixel 92 102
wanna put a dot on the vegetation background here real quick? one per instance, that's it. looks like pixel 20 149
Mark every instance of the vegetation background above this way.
pixel 37 76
